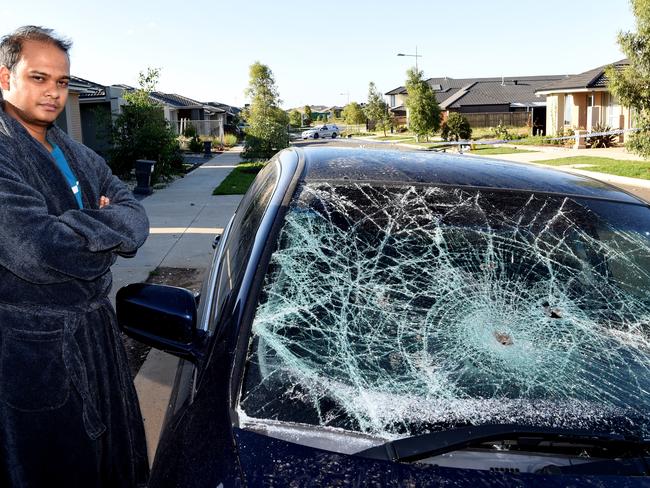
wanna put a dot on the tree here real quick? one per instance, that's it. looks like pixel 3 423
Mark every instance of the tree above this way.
pixel 423 109
pixel 267 132
pixel 377 109
pixel 295 118
pixel 141 132
pixel 631 84
pixel 308 116
pixel 456 128
pixel 353 114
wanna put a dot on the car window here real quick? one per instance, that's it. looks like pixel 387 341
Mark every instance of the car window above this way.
pixel 242 235
pixel 400 310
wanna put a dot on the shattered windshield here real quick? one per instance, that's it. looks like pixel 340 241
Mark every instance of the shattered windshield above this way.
pixel 397 310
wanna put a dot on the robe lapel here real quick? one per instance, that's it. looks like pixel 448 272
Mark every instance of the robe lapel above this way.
pixel 51 181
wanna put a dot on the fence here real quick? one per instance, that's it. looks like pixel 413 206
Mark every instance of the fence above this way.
pixel 212 128
pixel 492 119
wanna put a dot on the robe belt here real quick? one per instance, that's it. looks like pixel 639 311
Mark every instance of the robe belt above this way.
pixel 76 368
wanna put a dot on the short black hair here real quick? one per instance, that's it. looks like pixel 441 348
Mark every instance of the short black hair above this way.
pixel 11 45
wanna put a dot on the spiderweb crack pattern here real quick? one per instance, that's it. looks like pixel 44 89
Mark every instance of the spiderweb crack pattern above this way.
pixel 389 308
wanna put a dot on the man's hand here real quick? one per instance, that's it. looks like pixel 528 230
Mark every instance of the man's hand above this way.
pixel 104 201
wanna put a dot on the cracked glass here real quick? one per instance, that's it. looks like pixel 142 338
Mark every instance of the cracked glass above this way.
pixel 399 310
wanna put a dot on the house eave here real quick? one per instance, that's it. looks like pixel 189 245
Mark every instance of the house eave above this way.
pixel 571 90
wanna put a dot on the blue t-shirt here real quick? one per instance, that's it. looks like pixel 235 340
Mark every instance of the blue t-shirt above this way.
pixel 63 165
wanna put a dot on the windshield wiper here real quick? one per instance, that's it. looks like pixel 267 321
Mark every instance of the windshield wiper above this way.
pixel 436 443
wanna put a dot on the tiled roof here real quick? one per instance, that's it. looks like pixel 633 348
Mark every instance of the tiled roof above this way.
pixel 594 78
pixel 396 91
pixel 225 107
pixel 175 100
pixel 87 89
pixel 457 92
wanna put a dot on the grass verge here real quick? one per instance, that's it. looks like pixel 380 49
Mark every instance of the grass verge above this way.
pixel 631 169
pixel 499 150
pixel 239 179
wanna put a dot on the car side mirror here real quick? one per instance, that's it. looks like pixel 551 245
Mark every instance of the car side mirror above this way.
pixel 163 317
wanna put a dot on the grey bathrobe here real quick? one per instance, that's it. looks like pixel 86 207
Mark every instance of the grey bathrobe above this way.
pixel 69 415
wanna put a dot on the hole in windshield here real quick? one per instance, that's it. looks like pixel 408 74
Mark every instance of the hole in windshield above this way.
pixel 399 310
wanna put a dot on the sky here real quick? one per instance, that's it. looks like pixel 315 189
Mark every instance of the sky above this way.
pixel 324 52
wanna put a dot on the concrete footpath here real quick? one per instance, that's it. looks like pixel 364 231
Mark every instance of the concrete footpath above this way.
pixel 184 219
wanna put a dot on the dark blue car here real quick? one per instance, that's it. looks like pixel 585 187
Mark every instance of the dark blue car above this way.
pixel 378 318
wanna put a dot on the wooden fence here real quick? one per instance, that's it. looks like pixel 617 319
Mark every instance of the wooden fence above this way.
pixel 492 119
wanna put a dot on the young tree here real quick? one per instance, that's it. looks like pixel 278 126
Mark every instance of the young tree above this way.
pixel 456 128
pixel 141 132
pixel 267 132
pixel 377 109
pixel 353 114
pixel 308 115
pixel 423 109
pixel 630 84
pixel 295 118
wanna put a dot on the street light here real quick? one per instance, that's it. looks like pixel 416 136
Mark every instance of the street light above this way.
pixel 348 94
pixel 416 56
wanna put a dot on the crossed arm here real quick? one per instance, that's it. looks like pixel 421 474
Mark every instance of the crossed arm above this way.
pixel 78 244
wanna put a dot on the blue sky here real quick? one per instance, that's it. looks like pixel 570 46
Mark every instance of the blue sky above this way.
pixel 319 52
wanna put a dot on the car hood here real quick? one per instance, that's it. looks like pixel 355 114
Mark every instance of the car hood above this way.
pixel 266 461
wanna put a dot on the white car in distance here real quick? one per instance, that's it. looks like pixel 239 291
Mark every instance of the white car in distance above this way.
pixel 322 131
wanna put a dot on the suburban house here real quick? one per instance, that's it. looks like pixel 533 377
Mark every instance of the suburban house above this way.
pixel 181 112
pixel 231 114
pixel 583 101
pixel 485 102
pixel 98 104
pixel 83 115
pixel 91 107
pixel 70 119
pixel 334 111
pixel 318 112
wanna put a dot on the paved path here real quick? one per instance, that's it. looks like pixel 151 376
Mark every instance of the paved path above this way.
pixel 184 219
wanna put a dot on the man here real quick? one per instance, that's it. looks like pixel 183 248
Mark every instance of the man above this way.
pixel 69 414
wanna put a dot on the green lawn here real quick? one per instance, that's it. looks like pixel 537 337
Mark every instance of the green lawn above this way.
pixel 498 150
pixel 238 181
pixel 632 169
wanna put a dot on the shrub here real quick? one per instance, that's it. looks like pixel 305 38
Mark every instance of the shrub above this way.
pixel 601 141
pixel 229 140
pixel 195 144
pixel 189 131
pixel 501 132
pixel 141 132
pixel 455 128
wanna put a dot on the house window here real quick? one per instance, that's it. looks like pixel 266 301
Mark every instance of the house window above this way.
pixel 612 111
pixel 392 100
pixel 568 109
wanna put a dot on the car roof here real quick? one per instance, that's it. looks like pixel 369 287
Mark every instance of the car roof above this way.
pixel 345 165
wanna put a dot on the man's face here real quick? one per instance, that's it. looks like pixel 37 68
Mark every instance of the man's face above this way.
pixel 37 88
